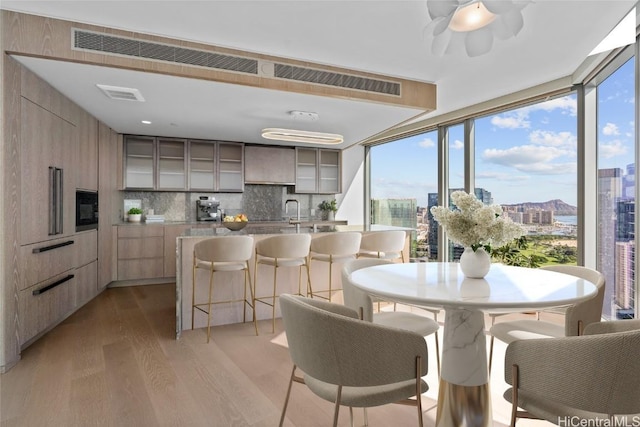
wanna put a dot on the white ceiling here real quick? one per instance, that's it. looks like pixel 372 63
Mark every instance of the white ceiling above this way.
pixel 384 37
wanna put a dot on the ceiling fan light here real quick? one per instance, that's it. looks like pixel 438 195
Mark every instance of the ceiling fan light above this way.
pixel 471 17
pixel 293 135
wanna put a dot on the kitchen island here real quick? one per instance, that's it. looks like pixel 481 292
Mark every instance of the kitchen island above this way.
pixel 233 283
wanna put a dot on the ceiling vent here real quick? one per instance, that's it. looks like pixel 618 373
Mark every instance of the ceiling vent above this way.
pixel 121 93
pixel 310 75
pixel 123 46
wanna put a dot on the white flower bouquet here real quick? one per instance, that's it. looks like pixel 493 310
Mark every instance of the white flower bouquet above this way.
pixel 476 225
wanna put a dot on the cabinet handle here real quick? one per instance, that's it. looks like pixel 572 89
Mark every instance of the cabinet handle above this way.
pixel 56 246
pixel 53 285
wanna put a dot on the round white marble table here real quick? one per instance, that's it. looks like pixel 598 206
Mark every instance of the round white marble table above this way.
pixel 464 398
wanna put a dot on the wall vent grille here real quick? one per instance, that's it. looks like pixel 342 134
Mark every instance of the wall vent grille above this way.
pixel 328 78
pixel 97 42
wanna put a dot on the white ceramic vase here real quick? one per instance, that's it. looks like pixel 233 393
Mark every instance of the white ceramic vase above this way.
pixel 475 265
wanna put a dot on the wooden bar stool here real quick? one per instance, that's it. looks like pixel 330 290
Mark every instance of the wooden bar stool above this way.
pixel 287 250
pixel 332 248
pixel 225 253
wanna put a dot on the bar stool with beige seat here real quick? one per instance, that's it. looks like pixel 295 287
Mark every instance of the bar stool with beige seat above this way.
pixel 383 244
pixel 287 250
pixel 334 248
pixel 222 254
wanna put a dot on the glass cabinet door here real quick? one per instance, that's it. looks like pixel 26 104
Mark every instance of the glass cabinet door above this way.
pixel 171 165
pixel 306 170
pixel 329 171
pixel 202 165
pixel 230 165
pixel 140 159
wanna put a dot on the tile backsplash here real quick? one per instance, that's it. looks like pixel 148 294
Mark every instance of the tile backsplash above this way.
pixel 258 202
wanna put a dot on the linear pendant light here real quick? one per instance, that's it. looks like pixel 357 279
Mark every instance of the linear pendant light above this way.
pixel 301 136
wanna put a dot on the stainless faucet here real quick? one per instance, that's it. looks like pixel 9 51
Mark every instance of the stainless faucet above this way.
pixel 297 221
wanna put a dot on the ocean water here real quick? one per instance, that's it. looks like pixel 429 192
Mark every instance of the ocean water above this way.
pixel 567 219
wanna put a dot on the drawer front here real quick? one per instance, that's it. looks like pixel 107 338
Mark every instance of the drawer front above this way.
pixel 141 231
pixel 86 247
pixel 144 268
pixel 43 304
pixel 43 260
pixel 86 283
pixel 149 247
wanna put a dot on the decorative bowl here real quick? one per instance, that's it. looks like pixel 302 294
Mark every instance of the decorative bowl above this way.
pixel 235 225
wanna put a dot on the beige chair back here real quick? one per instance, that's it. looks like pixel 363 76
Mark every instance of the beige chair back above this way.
pixel 578 316
pixel 327 342
pixel 587 376
pixel 389 242
pixel 224 249
pixel 337 244
pixel 355 298
pixel 284 246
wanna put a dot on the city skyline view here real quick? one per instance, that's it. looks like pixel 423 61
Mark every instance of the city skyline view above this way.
pixel 533 148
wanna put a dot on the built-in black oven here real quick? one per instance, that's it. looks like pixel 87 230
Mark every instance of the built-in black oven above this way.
pixel 86 210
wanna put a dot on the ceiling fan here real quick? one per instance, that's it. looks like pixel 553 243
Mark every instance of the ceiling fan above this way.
pixel 472 23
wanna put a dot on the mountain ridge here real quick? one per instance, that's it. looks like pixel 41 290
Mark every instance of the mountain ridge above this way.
pixel 556 205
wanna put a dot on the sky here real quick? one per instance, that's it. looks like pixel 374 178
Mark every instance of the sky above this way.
pixel 523 155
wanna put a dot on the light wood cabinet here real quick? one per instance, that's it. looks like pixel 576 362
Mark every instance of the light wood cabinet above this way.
pixel 43 260
pixel 50 143
pixel 169 164
pixel 269 165
pixel 172 166
pixel 140 252
pixel 140 162
pixel 230 166
pixel 318 171
pixel 107 201
pixel 42 305
pixel 86 166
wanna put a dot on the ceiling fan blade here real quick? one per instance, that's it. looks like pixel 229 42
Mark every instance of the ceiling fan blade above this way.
pixel 439 8
pixel 498 6
pixel 479 42
pixel 513 21
pixel 441 43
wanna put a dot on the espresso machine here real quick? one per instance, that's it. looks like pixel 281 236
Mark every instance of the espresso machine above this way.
pixel 208 209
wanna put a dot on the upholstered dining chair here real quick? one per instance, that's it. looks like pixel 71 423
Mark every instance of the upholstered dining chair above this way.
pixel 350 362
pixel 363 303
pixel 579 380
pixel 576 316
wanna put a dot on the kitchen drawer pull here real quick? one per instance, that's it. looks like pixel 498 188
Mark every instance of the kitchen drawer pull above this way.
pixel 56 246
pixel 53 285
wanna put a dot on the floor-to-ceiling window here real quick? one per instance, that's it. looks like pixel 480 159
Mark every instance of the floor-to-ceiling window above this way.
pixel 616 189
pixel 404 175
pixel 525 161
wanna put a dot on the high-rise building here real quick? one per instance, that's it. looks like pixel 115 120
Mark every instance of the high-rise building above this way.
pixel 609 194
pixel 432 238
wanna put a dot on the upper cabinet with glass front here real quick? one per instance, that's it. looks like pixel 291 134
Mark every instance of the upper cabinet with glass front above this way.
pixel 169 164
pixel 139 162
pixel 317 171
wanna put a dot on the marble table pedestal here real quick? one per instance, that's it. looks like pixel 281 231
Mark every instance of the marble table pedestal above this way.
pixel 464 398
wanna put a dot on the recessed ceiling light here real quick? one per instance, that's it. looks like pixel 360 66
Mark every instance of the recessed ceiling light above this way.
pixel 301 136
pixel 146 122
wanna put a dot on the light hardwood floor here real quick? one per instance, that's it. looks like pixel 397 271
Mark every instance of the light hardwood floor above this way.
pixel 115 362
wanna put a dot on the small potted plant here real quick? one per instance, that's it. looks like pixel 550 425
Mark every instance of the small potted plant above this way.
pixel 328 208
pixel 134 214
